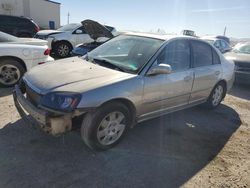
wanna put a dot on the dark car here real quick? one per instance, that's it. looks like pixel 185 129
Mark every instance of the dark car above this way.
pixel 18 26
pixel 221 44
pixel 241 57
pixel 99 33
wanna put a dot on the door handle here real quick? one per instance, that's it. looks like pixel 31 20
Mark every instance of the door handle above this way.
pixel 217 73
pixel 187 78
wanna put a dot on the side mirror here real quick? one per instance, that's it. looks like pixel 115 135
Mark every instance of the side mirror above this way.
pixel 160 69
pixel 78 31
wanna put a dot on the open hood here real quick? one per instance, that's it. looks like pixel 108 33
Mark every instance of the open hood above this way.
pixel 96 30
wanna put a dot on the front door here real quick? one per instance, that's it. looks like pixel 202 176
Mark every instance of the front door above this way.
pixel 79 36
pixel 172 90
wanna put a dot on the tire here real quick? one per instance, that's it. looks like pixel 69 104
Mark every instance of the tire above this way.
pixel 216 97
pixel 62 49
pixel 11 71
pixel 96 136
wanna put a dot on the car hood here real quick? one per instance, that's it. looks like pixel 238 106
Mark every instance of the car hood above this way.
pixel 49 32
pixel 96 30
pixel 31 41
pixel 239 57
pixel 71 75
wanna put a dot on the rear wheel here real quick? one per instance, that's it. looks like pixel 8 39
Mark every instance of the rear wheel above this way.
pixel 216 96
pixel 11 72
pixel 62 49
pixel 103 129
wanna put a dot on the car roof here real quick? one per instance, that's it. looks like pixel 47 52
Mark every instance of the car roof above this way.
pixel 21 17
pixel 157 36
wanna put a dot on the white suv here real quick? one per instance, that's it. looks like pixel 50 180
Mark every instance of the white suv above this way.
pixel 63 40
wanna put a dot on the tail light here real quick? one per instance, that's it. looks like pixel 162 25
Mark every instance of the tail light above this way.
pixel 47 52
pixel 37 29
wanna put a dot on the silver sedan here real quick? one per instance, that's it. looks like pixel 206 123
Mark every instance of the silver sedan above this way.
pixel 129 79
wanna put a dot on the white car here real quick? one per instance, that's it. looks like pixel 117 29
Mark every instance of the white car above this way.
pixel 63 40
pixel 18 55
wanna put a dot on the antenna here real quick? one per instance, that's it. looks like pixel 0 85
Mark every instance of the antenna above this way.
pixel 68 17
pixel 225 30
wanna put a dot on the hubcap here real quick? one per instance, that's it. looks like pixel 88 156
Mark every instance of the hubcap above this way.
pixel 63 50
pixel 9 74
pixel 111 128
pixel 217 95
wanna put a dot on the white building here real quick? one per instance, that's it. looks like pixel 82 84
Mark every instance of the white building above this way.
pixel 44 12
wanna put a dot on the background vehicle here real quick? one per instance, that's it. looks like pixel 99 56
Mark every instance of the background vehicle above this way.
pixel 129 79
pixel 63 40
pixel 99 33
pixel 18 26
pixel 222 45
pixel 241 57
pixel 18 55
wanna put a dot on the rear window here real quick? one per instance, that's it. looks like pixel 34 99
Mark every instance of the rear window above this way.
pixel 216 58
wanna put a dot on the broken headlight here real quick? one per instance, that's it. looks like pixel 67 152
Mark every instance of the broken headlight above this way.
pixel 62 101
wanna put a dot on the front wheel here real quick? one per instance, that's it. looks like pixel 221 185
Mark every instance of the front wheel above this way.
pixel 216 96
pixel 103 129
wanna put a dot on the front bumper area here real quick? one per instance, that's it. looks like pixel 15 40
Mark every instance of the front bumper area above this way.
pixel 52 123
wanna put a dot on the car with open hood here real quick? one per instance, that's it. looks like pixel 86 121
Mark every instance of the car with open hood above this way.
pixel 99 33
pixel 63 40
pixel 18 55
pixel 129 79
pixel 241 57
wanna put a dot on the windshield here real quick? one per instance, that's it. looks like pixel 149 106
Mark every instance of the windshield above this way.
pixel 242 48
pixel 69 27
pixel 127 52
pixel 8 38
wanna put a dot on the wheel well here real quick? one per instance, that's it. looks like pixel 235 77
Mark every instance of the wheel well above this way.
pixel 128 104
pixel 61 41
pixel 15 58
pixel 224 83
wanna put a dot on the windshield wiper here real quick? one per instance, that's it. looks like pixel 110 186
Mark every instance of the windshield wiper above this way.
pixel 110 65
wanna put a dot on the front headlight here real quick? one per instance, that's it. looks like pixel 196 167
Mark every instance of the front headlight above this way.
pixel 62 101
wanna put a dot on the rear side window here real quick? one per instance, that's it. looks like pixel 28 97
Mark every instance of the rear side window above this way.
pixel 216 58
pixel 202 54
pixel 176 54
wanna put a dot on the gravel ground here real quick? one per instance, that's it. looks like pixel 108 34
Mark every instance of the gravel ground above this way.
pixel 189 148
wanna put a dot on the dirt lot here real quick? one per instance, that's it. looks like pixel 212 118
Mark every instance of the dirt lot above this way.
pixel 190 148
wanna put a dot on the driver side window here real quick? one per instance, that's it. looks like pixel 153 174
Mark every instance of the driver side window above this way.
pixel 81 29
pixel 176 54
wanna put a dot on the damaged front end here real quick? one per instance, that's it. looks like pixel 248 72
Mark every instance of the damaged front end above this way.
pixel 28 105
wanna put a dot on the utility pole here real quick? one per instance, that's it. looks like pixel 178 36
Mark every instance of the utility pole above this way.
pixel 225 30
pixel 68 17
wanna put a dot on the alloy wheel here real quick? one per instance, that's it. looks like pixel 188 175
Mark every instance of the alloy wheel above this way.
pixel 9 74
pixel 111 128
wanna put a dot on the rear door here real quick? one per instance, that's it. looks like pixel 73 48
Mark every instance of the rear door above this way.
pixel 167 91
pixel 207 70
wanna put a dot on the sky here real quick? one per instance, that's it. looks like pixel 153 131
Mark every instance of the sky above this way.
pixel 205 17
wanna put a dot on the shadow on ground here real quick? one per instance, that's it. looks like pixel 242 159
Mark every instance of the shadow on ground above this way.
pixel 5 91
pixel 241 91
pixel 164 152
